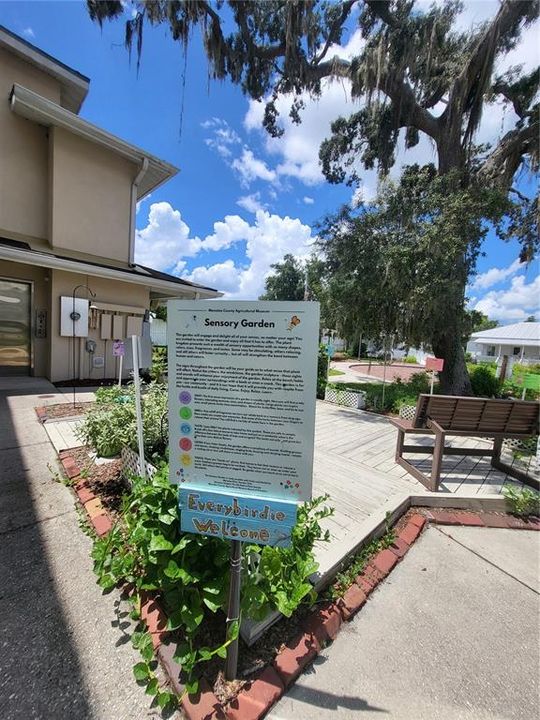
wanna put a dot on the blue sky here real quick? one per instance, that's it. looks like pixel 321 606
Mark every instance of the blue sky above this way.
pixel 241 199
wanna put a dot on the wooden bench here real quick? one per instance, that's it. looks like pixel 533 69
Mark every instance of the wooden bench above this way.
pixel 443 415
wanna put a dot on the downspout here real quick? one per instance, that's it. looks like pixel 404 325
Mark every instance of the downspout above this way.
pixel 134 188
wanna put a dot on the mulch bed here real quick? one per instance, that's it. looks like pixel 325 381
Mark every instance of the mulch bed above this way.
pixel 64 410
pixel 105 480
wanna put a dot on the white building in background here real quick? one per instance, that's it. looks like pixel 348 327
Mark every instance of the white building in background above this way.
pixel 519 343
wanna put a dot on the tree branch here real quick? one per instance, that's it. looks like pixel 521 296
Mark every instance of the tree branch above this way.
pixel 481 60
pixel 501 165
pixel 333 34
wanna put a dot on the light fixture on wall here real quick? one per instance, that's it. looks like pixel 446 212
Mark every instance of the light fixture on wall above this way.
pixel 74 315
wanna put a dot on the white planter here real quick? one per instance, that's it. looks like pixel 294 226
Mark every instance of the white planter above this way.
pixel 131 464
pixel 347 398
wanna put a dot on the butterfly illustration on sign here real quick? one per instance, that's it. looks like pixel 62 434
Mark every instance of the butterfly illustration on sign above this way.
pixel 293 322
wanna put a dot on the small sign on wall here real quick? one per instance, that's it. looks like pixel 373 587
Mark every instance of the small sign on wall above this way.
pixel 40 330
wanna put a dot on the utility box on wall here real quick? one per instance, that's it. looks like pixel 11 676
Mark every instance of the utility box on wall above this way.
pixel 78 324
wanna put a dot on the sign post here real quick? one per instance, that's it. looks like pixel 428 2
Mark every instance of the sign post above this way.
pixel 242 381
pixel 434 365
pixel 119 350
pixel 233 608
pixel 138 408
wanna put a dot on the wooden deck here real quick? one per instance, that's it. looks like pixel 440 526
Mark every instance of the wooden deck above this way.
pixel 354 464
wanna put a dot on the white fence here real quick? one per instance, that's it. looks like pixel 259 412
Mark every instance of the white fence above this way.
pixel 347 398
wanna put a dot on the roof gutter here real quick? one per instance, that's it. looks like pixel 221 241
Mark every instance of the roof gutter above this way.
pixel 134 196
pixel 32 106
pixel 32 257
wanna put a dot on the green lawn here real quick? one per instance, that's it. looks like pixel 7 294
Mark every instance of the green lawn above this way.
pixel 333 371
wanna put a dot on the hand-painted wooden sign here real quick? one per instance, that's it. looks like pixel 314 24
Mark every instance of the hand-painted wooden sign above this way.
pixel 434 364
pixel 235 517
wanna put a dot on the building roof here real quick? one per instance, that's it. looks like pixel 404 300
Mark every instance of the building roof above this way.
pixel 523 333
pixel 74 85
pixel 159 282
pixel 30 105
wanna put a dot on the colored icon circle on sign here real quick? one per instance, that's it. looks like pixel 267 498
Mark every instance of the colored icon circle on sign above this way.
pixel 186 460
pixel 185 413
pixel 185 397
pixel 185 428
pixel 185 444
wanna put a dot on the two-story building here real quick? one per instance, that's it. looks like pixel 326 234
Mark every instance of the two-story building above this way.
pixel 69 283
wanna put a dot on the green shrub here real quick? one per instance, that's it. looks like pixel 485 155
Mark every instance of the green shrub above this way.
pixel 410 359
pixel 147 549
pixel 396 394
pixel 322 372
pixel 521 369
pixel 484 383
pixel 112 424
pixel 159 364
pixel 522 500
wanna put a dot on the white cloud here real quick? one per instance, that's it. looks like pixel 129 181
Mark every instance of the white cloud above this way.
pixel 222 276
pixel 165 239
pixel 223 138
pixel 513 304
pixel 29 33
pixel 251 203
pixel 308 200
pixel 227 232
pixel 495 275
pixel 139 204
pixel 251 168
pixel 267 241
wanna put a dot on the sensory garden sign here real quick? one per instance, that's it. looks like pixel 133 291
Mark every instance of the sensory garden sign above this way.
pixel 242 381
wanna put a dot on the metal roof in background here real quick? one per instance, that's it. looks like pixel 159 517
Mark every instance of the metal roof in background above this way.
pixel 524 333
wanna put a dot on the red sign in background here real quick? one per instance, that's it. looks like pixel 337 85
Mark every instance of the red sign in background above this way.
pixel 435 364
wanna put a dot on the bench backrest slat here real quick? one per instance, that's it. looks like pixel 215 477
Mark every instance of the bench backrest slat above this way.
pixel 478 414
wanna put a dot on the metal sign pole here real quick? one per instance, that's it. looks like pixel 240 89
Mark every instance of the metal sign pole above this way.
pixel 120 371
pixel 138 409
pixel 233 608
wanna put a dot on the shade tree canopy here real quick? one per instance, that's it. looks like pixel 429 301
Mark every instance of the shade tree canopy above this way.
pixel 415 75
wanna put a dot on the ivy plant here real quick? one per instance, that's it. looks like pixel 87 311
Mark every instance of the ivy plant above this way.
pixel 190 573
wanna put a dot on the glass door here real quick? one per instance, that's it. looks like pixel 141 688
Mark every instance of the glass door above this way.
pixel 15 327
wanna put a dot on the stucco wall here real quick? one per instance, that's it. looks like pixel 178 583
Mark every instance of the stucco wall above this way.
pixel 90 197
pixel 40 278
pixel 107 291
pixel 23 153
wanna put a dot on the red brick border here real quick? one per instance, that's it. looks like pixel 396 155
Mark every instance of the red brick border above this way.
pixel 321 626
pixel 97 516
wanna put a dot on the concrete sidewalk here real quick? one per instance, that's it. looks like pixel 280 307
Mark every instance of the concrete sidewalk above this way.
pixel 60 657
pixel 452 634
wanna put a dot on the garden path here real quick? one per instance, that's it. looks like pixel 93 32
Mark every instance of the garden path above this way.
pixel 354 464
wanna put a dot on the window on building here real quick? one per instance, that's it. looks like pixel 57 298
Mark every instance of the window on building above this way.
pixel 517 351
pixel 490 351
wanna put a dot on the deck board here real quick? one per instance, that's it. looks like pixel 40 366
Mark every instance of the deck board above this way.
pixel 354 464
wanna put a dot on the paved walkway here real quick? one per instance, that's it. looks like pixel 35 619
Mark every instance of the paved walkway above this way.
pixel 60 658
pixel 452 634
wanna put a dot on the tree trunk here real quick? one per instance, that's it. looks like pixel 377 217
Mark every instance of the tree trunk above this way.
pixel 454 379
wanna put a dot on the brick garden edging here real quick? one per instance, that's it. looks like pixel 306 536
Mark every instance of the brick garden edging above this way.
pixel 321 626
pixel 98 517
